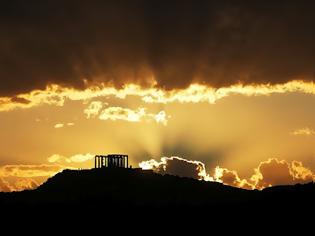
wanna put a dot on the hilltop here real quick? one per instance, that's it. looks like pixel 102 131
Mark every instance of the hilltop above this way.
pixel 120 188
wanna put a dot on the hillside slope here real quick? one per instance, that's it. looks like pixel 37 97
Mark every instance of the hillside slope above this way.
pixel 128 188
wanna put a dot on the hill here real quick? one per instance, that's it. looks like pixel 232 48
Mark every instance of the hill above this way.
pixel 114 189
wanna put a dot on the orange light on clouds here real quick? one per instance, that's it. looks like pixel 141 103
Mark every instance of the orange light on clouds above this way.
pixel 195 93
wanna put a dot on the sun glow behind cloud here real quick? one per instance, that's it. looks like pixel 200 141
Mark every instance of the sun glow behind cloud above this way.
pixel 227 104
pixel 108 110
pixel 195 93
pixel 268 173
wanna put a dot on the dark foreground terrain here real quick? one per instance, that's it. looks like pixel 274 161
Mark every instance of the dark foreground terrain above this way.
pixel 128 190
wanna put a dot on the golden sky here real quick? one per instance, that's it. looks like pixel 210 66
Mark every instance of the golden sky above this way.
pixel 236 128
pixel 226 87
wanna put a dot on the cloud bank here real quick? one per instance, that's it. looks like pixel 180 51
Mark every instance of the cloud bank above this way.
pixel 56 95
pixel 268 173
pixel 21 177
pixel 177 166
pixel 168 44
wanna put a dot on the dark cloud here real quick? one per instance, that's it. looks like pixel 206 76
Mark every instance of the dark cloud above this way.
pixel 268 173
pixel 181 168
pixel 176 166
pixel 216 42
pixel 20 100
pixel 279 172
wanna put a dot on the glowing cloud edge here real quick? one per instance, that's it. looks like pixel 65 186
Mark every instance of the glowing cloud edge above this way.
pixel 57 95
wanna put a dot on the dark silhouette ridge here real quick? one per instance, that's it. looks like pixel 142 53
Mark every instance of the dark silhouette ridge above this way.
pixel 125 188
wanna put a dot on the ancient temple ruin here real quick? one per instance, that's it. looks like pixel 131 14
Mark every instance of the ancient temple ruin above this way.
pixel 111 161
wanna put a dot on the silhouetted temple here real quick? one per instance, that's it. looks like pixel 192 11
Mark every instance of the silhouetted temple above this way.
pixel 112 160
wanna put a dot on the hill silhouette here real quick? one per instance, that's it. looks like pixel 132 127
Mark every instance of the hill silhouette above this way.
pixel 119 188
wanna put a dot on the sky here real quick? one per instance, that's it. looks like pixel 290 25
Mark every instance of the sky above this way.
pixel 215 90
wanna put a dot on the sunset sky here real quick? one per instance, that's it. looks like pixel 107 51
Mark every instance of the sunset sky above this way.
pixel 226 87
